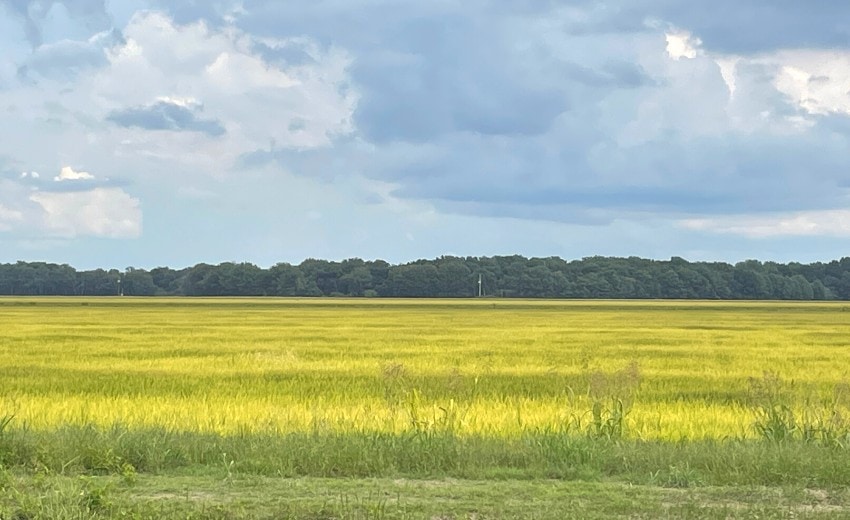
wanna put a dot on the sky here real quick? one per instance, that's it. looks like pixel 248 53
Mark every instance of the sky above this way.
pixel 171 132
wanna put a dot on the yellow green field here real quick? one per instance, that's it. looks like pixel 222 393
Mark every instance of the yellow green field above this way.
pixel 687 370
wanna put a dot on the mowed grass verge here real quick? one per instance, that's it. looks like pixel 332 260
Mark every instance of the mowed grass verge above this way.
pixel 665 395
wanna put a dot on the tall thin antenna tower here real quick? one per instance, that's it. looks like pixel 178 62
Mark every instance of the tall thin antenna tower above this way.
pixel 479 285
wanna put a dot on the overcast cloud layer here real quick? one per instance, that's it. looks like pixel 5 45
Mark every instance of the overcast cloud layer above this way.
pixel 145 132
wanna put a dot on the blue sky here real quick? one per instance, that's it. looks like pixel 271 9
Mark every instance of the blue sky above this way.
pixel 152 132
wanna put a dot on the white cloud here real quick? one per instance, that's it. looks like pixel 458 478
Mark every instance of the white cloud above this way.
pixel 237 73
pixel 804 223
pixel 68 174
pixel 816 80
pixel 35 211
pixel 101 212
pixel 727 70
pixel 255 100
pixel 65 60
pixel 682 44
pixel 185 102
pixel 766 94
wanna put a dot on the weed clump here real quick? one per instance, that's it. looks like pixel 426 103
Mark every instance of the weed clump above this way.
pixel 781 416
pixel 612 397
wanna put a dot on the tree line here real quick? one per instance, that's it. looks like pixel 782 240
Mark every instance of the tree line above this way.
pixel 449 276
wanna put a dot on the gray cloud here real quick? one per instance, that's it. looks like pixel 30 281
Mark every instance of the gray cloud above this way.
pixel 424 70
pixel 671 176
pixel 284 55
pixel 612 74
pixel 467 74
pixel 418 101
pixel 67 58
pixel 534 111
pixel 166 115
pixel 33 12
pixel 725 25
pixel 747 27
pixel 535 178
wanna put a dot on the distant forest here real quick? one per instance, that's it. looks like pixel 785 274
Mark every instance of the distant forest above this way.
pixel 502 276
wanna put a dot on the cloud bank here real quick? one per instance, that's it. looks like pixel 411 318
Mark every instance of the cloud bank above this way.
pixel 616 119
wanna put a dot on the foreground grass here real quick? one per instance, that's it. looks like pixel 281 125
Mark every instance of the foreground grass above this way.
pixel 91 473
pixel 211 497
pixel 91 451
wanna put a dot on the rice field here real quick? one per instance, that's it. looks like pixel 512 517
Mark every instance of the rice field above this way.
pixel 488 368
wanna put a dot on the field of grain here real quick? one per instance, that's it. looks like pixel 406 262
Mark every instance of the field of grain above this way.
pixel 495 368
